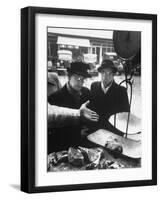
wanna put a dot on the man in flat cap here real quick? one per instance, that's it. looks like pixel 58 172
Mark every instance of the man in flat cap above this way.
pixel 107 97
pixel 53 83
pixel 72 95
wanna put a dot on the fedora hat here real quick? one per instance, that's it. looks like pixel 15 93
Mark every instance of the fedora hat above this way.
pixel 107 64
pixel 79 68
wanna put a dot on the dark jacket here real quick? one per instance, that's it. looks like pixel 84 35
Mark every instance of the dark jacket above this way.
pixel 114 101
pixel 63 138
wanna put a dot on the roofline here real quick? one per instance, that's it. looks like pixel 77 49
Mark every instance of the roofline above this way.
pixel 75 36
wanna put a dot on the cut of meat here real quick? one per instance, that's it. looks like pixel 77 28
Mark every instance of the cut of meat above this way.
pixel 62 156
pixel 112 144
pixel 75 157
pixel 92 154
pixel 130 148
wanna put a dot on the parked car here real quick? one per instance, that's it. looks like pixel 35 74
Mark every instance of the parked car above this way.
pixel 93 69
pixel 51 66
pixel 93 72
pixel 137 70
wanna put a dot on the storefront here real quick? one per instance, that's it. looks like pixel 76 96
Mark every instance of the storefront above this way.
pixel 79 43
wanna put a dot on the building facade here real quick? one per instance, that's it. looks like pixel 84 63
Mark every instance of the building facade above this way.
pixel 64 47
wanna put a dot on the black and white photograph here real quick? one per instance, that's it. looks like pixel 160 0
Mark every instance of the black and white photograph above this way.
pixel 94 99
pixel 91 88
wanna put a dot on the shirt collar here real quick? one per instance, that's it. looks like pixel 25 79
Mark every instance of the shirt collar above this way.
pixel 107 88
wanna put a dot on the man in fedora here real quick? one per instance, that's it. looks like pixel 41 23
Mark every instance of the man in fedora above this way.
pixel 107 97
pixel 72 95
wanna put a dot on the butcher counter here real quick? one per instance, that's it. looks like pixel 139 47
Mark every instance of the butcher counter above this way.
pixel 95 155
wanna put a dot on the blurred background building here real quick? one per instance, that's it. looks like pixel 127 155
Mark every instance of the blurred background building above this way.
pixel 68 45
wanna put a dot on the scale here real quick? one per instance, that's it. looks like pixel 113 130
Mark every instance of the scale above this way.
pixel 127 45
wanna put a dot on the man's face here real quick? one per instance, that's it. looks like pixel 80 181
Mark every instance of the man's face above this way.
pixel 76 81
pixel 107 76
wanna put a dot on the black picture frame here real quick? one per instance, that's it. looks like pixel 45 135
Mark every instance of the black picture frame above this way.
pixel 28 98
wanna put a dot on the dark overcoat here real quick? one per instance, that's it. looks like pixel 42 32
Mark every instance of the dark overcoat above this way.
pixel 64 137
pixel 114 101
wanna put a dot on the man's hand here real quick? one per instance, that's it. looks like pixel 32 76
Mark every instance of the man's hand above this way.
pixel 88 114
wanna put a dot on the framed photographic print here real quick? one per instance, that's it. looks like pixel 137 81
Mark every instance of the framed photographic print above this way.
pixel 88 99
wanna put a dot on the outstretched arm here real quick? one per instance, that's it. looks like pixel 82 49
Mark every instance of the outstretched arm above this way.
pixel 61 116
